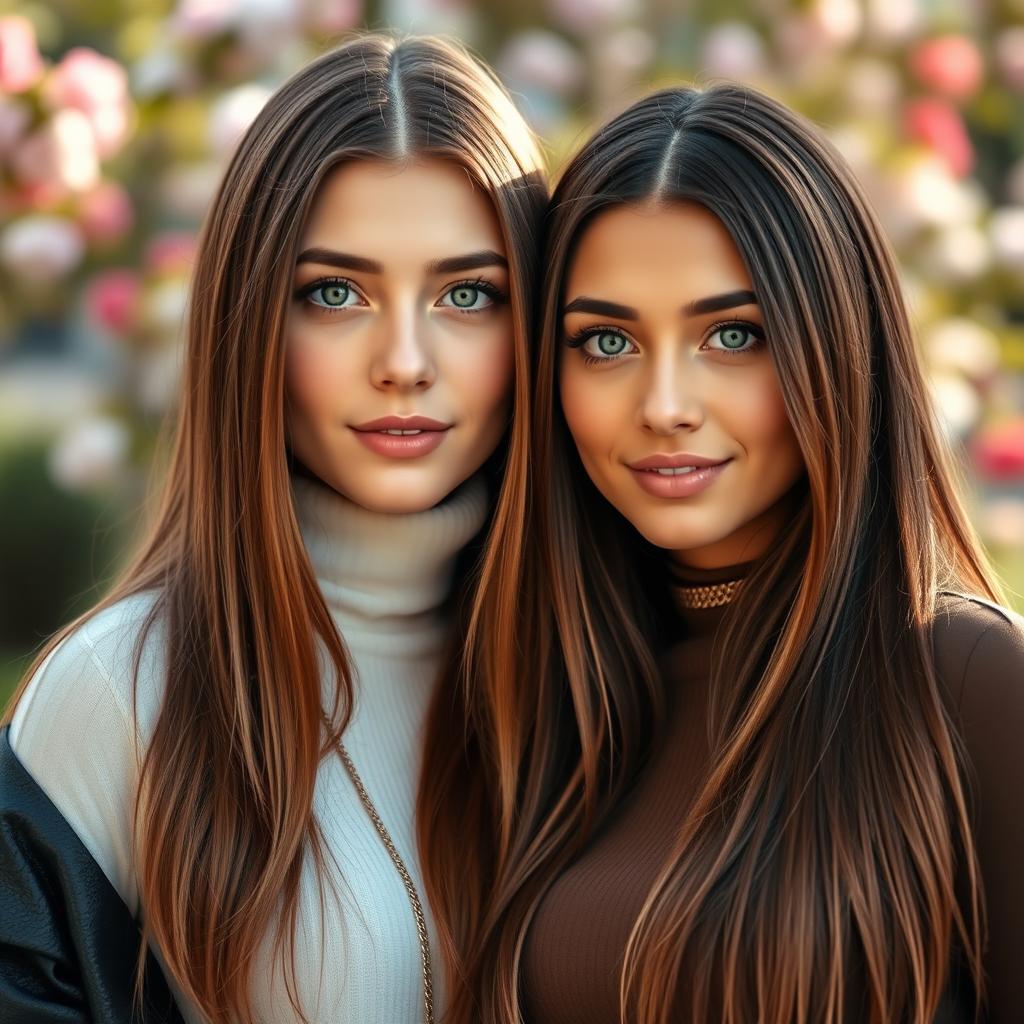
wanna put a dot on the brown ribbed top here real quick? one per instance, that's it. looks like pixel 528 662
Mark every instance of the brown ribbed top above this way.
pixel 574 950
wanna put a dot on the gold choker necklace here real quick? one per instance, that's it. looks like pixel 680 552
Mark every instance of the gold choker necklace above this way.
pixel 711 595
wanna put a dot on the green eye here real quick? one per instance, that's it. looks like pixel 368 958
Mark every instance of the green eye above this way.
pixel 331 296
pixel 734 337
pixel 609 343
pixel 465 296
pixel 739 337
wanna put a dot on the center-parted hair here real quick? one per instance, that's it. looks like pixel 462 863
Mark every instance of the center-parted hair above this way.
pixel 813 880
pixel 224 814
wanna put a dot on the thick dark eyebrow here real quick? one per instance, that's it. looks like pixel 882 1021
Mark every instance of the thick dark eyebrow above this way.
pixel 471 261
pixel 341 260
pixel 584 304
pixel 714 303
pixel 451 265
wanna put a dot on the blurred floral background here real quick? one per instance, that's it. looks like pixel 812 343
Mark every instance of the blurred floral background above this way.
pixel 117 117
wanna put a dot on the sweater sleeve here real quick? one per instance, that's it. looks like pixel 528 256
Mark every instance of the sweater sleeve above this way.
pixel 980 656
pixel 75 732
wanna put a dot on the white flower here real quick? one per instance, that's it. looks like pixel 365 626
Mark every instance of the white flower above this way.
pixel 957 402
pixel 958 254
pixel 1007 232
pixel 733 50
pixel 541 58
pixel 232 114
pixel 963 345
pixel 41 249
pixel 893 21
pixel 90 453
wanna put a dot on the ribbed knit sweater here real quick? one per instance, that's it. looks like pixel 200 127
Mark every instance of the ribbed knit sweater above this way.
pixel 575 947
pixel 385 579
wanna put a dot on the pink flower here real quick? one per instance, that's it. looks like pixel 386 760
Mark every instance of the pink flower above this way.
pixel 999 450
pixel 21 66
pixel 170 253
pixel 106 214
pixel 40 249
pixel 98 86
pixel 112 300
pixel 61 154
pixel 950 65
pixel 938 125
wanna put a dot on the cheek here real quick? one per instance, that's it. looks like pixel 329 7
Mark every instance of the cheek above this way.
pixel 761 424
pixel 313 378
pixel 588 412
pixel 481 376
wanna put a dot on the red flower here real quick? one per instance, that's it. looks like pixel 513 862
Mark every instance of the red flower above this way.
pixel 938 125
pixel 999 450
pixel 950 65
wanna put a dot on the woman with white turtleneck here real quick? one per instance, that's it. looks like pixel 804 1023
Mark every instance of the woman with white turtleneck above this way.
pixel 226 751
pixel 386 579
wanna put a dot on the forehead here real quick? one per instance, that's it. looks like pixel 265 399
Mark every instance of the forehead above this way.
pixel 382 209
pixel 676 247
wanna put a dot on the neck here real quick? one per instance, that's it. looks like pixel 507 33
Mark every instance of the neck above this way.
pixel 385 572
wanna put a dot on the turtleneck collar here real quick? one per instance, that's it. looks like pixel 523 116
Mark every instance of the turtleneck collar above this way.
pixel 378 571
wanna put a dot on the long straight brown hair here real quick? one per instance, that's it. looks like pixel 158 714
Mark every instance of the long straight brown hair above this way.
pixel 224 810
pixel 813 879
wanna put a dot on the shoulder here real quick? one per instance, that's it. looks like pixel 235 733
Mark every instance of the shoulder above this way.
pixel 89 675
pixel 80 733
pixel 979 650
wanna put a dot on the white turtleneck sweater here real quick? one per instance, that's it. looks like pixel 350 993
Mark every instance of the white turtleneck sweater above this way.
pixel 385 578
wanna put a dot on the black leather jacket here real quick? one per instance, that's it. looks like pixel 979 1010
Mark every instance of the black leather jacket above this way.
pixel 68 942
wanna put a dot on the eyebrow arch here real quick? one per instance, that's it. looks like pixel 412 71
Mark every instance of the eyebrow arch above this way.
pixel 453 264
pixel 341 260
pixel 585 304
pixel 471 261
pixel 714 303
pixel 711 304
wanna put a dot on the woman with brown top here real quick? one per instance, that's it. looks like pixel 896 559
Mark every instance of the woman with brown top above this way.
pixel 753 752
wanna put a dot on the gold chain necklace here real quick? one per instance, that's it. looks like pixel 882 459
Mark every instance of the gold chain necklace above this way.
pixel 410 887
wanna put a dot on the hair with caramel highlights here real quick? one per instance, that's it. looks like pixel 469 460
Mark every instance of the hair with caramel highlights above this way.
pixel 224 810
pixel 814 878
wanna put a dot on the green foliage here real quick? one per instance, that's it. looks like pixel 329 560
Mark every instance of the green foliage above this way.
pixel 56 548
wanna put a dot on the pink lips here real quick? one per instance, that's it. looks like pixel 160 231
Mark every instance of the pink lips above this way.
pixel 380 435
pixel 693 474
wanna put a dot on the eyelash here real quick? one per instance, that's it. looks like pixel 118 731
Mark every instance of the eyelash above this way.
pixel 492 291
pixel 580 338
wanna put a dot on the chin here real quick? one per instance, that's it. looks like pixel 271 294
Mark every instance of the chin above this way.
pixel 396 497
pixel 662 532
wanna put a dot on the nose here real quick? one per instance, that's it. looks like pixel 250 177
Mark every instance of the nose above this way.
pixel 671 399
pixel 402 360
